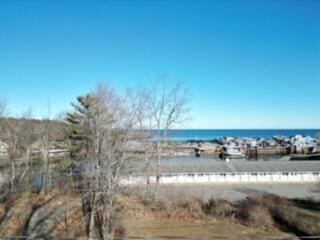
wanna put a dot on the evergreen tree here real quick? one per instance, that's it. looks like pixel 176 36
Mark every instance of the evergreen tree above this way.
pixel 78 127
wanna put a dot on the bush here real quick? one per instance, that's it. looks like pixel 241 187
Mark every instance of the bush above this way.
pixel 220 208
pixel 256 215
pixel 187 208
pixel 155 205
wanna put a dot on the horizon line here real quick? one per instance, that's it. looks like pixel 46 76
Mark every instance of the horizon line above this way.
pixel 245 128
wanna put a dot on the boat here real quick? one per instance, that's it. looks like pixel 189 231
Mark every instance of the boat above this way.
pixel 231 152
pixel 305 157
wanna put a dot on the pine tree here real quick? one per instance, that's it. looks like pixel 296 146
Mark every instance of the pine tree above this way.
pixel 78 128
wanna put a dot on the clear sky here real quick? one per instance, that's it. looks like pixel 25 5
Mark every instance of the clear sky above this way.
pixel 248 64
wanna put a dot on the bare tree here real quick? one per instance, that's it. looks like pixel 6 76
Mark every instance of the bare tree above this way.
pixel 111 127
pixel 11 130
pixel 46 139
pixel 168 106
pixel 161 106
pixel 138 99
pixel 3 106
pixel 29 136
pixel 19 134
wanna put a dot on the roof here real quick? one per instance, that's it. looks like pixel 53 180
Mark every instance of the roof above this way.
pixel 3 144
pixel 239 166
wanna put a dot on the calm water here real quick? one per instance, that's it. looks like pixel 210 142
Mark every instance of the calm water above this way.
pixel 207 134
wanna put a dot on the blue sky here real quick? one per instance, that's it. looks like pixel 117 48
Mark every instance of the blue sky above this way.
pixel 248 64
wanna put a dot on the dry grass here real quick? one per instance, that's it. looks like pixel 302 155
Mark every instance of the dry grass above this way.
pixel 20 211
pixel 192 218
pixel 287 215
pixel 255 217
pixel 172 228
pixel 220 208
pixel 297 220
pixel 265 213
pixel 255 212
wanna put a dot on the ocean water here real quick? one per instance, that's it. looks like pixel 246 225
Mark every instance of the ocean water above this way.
pixel 208 134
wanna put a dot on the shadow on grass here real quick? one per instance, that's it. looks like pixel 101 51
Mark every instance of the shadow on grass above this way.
pixel 249 191
pixel 287 214
pixel 308 204
pixel 25 229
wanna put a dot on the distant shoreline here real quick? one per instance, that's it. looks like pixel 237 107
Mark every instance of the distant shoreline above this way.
pixel 204 135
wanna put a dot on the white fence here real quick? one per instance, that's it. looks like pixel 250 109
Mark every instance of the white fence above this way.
pixel 216 178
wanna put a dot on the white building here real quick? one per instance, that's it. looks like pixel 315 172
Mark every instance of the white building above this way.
pixel 236 172
pixel 3 149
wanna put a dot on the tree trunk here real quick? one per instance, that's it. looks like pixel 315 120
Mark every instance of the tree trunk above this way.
pixel 45 169
pixel 13 174
pixel 91 226
pixel 27 165
pixel 148 188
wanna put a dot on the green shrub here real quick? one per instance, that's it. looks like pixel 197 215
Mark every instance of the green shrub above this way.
pixel 63 164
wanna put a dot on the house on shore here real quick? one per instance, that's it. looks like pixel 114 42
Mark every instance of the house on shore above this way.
pixel 3 149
